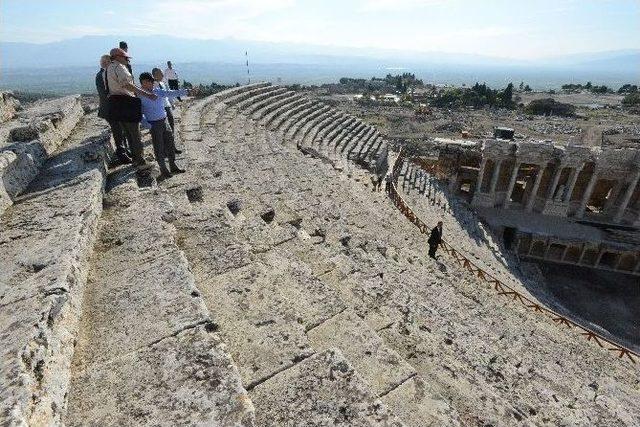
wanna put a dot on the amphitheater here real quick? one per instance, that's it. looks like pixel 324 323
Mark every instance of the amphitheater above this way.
pixel 269 285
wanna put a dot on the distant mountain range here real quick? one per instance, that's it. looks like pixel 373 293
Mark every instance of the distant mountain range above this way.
pixel 224 60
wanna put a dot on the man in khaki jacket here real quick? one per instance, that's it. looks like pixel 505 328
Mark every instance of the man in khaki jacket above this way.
pixel 119 81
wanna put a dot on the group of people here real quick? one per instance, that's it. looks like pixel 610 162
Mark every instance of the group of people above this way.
pixel 125 106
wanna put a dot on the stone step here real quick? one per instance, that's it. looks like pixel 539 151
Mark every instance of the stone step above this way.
pixel 258 101
pixel 356 149
pixel 327 125
pixel 46 238
pixel 286 115
pixel 300 134
pixel 303 122
pixel 312 124
pixel 382 368
pixel 360 149
pixel 280 108
pixel 328 140
pixel 259 109
pixel 354 133
pixel 147 350
pixel 269 113
pixel 27 141
pixel 327 119
pixel 269 103
pixel 237 94
pixel 303 110
pixel 322 390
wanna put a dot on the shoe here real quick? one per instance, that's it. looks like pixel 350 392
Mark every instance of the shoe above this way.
pixel 142 165
pixel 163 176
pixel 123 158
pixel 176 169
pixel 178 151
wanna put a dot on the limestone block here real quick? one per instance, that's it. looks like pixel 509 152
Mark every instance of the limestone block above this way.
pixel 418 405
pixel 8 106
pixel 45 240
pixel 186 379
pixel 382 368
pixel 323 390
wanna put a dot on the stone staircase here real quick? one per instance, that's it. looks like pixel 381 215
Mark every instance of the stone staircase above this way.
pixel 267 286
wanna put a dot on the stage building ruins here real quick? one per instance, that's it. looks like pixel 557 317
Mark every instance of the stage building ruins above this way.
pixel 562 203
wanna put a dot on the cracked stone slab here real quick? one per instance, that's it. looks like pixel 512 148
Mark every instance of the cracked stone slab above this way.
pixel 418 405
pixel 139 288
pixel 323 390
pixel 186 379
pixel 263 332
pixel 45 242
pixel 381 367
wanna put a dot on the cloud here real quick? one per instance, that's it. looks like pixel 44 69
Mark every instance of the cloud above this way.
pixel 210 19
pixel 395 5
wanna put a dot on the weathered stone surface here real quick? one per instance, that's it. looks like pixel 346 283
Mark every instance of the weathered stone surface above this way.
pixel 323 390
pixel 382 368
pixel 45 240
pixel 28 141
pixel 415 402
pixel 183 379
pixel 8 106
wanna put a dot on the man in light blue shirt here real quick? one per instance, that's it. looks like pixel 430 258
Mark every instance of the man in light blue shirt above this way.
pixel 155 118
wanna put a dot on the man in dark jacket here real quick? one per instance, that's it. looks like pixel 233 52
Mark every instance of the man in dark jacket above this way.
pixel 435 238
pixel 103 113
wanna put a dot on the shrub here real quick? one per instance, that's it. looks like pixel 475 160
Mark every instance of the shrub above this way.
pixel 549 106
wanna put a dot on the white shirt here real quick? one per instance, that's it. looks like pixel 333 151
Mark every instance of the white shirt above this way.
pixel 170 74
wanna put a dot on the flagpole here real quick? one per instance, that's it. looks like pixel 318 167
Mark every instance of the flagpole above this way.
pixel 246 55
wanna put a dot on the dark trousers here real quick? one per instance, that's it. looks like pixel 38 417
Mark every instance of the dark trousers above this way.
pixel 174 85
pixel 170 118
pixel 432 250
pixel 118 136
pixel 131 131
pixel 163 144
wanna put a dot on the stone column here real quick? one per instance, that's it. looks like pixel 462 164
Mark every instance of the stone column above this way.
pixel 572 183
pixel 587 194
pixel 627 198
pixel 495 176
pixel 512 183
pixel 613 195
pixel 483 165
pixel 534 191
pixel 554 183
pixel 584 249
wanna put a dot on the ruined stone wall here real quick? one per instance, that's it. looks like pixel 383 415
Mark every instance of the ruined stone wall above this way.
pixel 575 181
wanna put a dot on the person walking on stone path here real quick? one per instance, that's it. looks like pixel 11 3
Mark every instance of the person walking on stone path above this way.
pixel 122 95
pixel 103 112
pixel 158 77
pixel 155 117
pixel 435 238
pixel 172 78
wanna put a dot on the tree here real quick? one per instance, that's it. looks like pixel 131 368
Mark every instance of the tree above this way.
pixel 527 88
pixel 631 100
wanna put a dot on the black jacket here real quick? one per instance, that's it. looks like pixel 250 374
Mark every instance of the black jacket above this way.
pixel 435 238
pixel 102 94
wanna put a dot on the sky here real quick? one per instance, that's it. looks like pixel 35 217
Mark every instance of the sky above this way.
pixel 522 29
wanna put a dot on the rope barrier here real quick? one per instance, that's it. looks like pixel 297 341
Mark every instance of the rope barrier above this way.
pixel 501 288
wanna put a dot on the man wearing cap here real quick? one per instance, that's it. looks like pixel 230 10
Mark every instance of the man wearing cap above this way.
pixel 119 81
